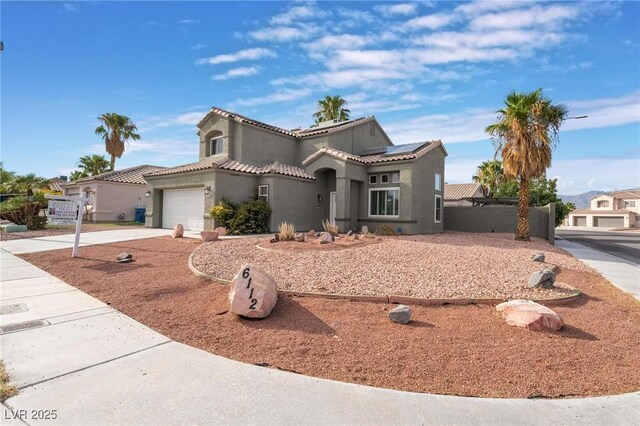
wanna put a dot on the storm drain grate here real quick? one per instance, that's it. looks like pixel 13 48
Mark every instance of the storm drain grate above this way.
pixel 23 326
pixel 13 309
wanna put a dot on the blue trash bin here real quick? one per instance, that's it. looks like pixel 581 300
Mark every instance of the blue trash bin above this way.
pixel 139 217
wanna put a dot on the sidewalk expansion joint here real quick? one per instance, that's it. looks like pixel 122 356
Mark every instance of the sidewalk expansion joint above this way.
pixel 38 295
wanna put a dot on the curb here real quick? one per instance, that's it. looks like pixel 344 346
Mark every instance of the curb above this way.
pixel 398 299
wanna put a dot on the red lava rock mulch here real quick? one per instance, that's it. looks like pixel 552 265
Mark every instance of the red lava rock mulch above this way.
pixel 461 350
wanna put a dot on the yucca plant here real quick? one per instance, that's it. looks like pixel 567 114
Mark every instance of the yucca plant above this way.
pixel 286 231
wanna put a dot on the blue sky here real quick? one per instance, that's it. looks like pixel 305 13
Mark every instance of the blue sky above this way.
pixel 426 70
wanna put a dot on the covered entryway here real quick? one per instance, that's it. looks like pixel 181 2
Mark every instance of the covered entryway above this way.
pixel 608 222
pixel 580 221
pixel 185 206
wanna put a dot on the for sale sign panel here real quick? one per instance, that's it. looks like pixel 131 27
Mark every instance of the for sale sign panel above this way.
pixel 62 212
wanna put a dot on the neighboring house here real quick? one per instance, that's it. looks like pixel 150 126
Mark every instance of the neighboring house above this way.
pixel 112 195
pixel 619 209
pixel 54 183
pixel 347 172
pixel 457 194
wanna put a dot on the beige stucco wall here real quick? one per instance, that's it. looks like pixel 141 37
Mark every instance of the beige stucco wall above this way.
pixel 108 200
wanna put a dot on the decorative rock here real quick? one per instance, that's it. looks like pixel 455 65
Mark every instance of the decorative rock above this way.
pixel 253 294
pixel 538 257
pixel 124 256
pixel 355 237
pixel 326 238
pixel 311 233
pixel 276 236
pixel 221 230
pixel 349 233
pixel 127 260
pixel 317 234
pixel 273 240
pixel 542 279
pixel 400 314
pixel 209 236
pixel 529 315
pixel 178 231
pixel 365 229
pixel 299 237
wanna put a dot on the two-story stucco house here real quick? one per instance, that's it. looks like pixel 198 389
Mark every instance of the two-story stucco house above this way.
pixel 619 209
pixel 347 172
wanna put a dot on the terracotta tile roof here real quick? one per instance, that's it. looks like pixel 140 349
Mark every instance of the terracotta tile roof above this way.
pixel 605 212
pixel 134 175
pixel 424 148
pixel 232 165
pixel 460 191
pixel 313 131
pixel 632 193
pixel 54 184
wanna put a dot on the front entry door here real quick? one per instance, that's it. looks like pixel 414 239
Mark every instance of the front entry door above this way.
pixel 333 198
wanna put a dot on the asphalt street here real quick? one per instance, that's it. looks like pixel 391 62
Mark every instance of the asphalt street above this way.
pixel 623 244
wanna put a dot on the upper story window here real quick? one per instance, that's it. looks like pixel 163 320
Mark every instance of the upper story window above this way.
pixel 629 203
pixel 603 204
pixel 263 192
pixel 384 178
pixel 373 179
pixel 438 179
pixel 395 177
pixel 216 146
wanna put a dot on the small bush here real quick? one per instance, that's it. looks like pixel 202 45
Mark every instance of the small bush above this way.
pixel 21 211
pixel 251 217
pixel 388 231
pixel 223 213
pixel 287 231
pixel 328 227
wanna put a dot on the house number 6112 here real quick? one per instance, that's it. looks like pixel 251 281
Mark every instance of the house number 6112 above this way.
pixel 246 273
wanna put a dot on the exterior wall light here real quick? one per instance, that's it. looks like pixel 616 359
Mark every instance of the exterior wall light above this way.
pixel 207 191
pixel 147 194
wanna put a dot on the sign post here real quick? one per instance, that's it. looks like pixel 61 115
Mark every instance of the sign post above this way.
pixel 63 210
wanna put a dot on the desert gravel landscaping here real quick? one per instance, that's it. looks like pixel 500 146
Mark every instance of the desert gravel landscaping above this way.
pixel 449 265
pixel 457 350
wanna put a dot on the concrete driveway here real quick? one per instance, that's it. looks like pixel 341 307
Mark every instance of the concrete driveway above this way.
pixel 623 244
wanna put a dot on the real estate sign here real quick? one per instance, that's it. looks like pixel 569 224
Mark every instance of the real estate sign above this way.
pixel 62 212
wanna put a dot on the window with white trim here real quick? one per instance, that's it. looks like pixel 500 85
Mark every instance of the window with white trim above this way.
pixel 395 177
pixel 384 202
pixel 216 145
pixel 373 179
pixel 384 178
pixel 263 192
pixel 603 204
pixel 629 203
pixel 437 210
pixel 438 180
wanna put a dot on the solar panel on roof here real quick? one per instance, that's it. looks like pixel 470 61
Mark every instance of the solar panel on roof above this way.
pixel 374 151
pixel 403 149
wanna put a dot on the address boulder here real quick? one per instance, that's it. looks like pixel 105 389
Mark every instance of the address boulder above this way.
pixel 253 294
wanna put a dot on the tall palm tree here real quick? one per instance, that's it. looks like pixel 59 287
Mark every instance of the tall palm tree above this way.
pixel 28 184
pixel 116 129
pixel 490 176
pixel 78 174
pixel 93 164
pixel 525 133
pixel 332 108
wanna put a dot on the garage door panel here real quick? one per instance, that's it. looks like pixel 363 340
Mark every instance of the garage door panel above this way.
pixel 608 222
pixel 184 206
pixel 580 221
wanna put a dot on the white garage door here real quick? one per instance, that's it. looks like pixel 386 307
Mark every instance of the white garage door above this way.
pixel 185 206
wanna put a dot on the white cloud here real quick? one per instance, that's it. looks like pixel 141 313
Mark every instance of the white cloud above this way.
pixel 198 46
pixel 338 41
pixel 484 39
pixel 241 55
pixel 284 34
pixel 298 13
pixel 155 149
pixel 431 22
pixel 483 6
pixel 69 7
pixel 284 95
pixel 187 21
pixel 604 112
pixel 237 72
pixel 537 16
pixel 180 120
pixel 397 9
pixel 576 176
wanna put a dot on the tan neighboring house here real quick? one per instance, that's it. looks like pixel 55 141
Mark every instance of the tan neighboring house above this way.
pixel 457 194
pixel 54 183
pixel 112 195
pixel 619 209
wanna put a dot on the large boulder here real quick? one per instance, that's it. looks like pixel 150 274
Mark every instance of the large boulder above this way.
pixel 529 315
pixel 401 314
pixel 253 294
pixel 221 230
pixel 542 279
pixel 209 236
pixel 178 231
pixel 538 257
pixel 326 238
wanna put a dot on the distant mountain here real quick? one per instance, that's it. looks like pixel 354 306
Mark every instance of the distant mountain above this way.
pixel 581 201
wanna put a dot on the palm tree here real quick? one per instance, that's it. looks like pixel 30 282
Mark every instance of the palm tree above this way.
pixel 116 129
pixel 28 184
pixel 78 174
pixel 525 133
pixel 490 176
pixel 332 108
pixel 93 165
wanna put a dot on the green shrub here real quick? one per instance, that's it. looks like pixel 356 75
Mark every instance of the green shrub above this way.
pixel 223 213
pixel 388 231
pixel 21 211
pixel 251 217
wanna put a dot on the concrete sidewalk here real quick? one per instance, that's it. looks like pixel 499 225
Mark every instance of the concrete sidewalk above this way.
pixel 622 273
pixel 69 352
